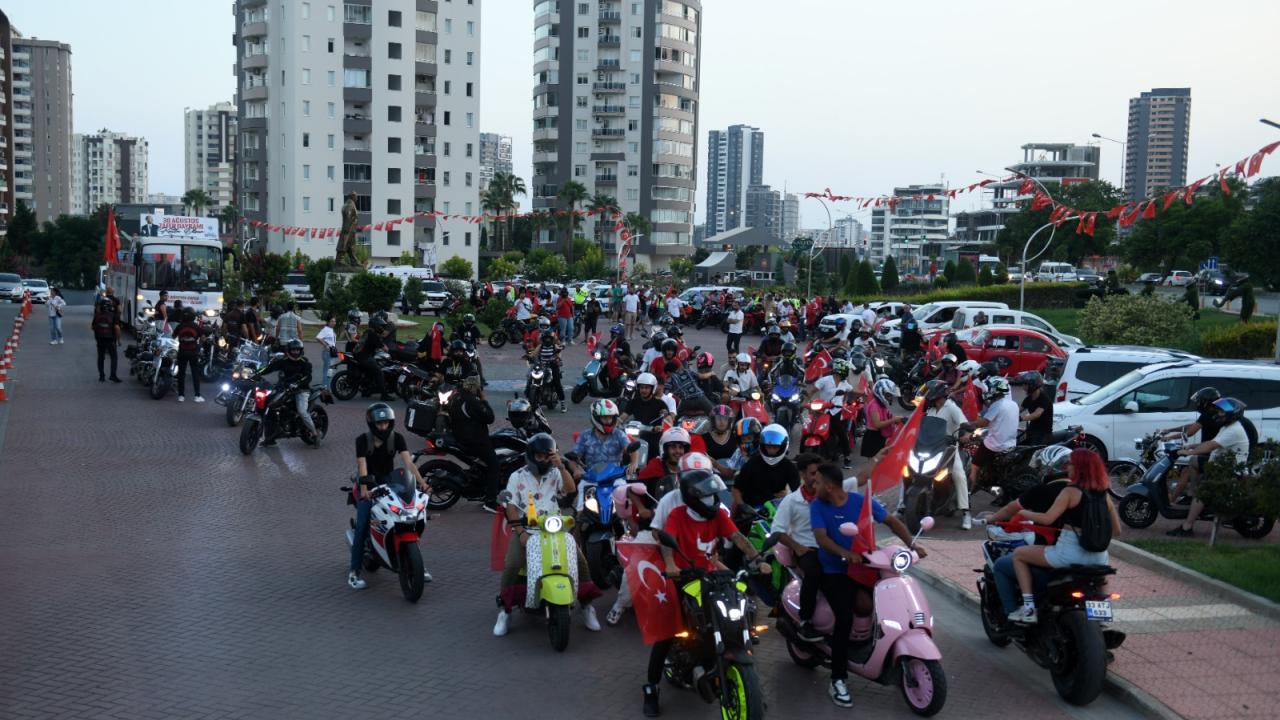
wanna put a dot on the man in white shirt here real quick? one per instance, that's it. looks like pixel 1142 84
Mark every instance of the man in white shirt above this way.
pixel 939 405
pixel 741 374
pixel 868 316
pixel 1001 420
pixel 674 307
pixel 630 305
pixel 1232 439
pixel 735 320
pixel 524 309
pixel 848 308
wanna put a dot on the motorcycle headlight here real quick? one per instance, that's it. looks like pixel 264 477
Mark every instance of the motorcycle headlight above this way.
pixel 1137 443
pixel 598 356
pixel 902 560
pixel 444 396
pixel 553 524
pixel 225 387
pixel 815 406
pixel 776 398
pixel 210 312
pixel 592 505
pixel 222 342
pixel 537 375
pixel 879 362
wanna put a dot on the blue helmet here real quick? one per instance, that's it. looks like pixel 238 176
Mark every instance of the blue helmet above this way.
pixel 774 440
pixel 1231 408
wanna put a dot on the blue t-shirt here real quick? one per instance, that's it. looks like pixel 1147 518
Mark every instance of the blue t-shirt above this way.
pixel 595 450
pixel 825 516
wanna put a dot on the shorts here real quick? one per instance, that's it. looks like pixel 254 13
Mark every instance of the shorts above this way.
pixel 1067 552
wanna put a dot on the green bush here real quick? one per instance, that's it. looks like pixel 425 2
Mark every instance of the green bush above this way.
pixel 950 271
pixel 964 273
pixel 494 311
pixel 889 276
pixel 372 293
pixel 1242 340
pixel 316 271
pixel 1002 274
pixel 1229 489
pixel 1039 295
pixel 941 282
pixel 1247 303
pixel 985 278
pixel 335 299
pixel 1135 320
pixel 457 267
pixel 413 294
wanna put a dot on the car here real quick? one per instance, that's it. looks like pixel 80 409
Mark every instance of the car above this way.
pixel 1051 271
pixel 930 316
pixel 1068 343
pixel 1218 282
pixel 39 289
pixel 1179 278
pixel 1089 276
pixel 1092 366
pixel 604 296
pixel 1154 397
pixel 1014 349
pixel 436 294
pixel 295 283
pixel 964 319
pixel 11 287
pixel 1151 277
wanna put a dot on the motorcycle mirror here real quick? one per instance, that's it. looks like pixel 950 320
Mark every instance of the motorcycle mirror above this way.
pixel 849 529
pixel 504 497
pixel 926 523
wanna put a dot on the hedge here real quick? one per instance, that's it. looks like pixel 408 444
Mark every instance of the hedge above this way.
pixel 1244 340
pixel 1039 295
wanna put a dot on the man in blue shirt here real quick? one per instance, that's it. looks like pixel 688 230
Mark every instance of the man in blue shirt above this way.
pixel 604 442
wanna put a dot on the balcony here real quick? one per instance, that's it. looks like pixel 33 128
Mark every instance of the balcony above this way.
pixel 606 180
pixel 249 62
pixel 608 156
pixel 609 64
pixel 601 88
pixel 545 134
pixel 253 29
pixel 258 92
pixel 608 110
pixel 607 133
pixel 545 156
pixel 608 17
pixel 609 41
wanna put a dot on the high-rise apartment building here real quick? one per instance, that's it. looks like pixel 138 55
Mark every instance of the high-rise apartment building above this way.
pixel 382 101
pixel 848 232
pixel 790 216
pixel 615 108
pixel 211 153
pixel 40 82
pixel 735 163
pixel 762 209
pixel 107 168
pixel 495 157
pixel 913 228
pixel 1156 151
pixel 8 185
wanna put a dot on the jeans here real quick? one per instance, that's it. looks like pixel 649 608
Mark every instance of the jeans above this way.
pixel 55 327
pixel 107 347
pixel 1007 582
pixel 300 402
pixel 363 509
pixel 839 590
pixel 566 329
pixel 185 362
pixel 324 365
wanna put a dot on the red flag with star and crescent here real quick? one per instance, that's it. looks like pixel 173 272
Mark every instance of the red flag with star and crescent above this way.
pixel 887 473
pixel 652 593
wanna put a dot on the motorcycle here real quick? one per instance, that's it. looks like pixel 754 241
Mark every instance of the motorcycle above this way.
pixel 216 354
pixel 820 422
pixel 512 331
pixel 749 404
pixel 930 488
pixel 413 382
pixel 236 395
pixel 396 523
pixel 1070 637
pixel 715 316
pixel 597 526
pixel 450 481
pixel 714 655
pixel 595 380
pixel 349 379
pixel 1014 472
pixel 784 401
pixel 275 416
pixel 536 390
pixel 900 650
pixel 550 558
pixel 1148 499
pixel 154 360
pixel 1124 472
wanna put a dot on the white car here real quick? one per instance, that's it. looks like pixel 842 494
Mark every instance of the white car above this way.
pixel 932 316
pixel 39 290
pixel 1089 368
pixel 963 320
pixel 1179 278
pixel 436 294
pixel 1158 396
pixel 296 284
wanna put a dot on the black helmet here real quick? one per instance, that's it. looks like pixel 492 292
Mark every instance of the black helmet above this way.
pixel 675 332
pixel 188 314
pixel 468 319
pixel 669 344
pixel 788 350
pixel 380 412
pixel 294 348
pixel 457 346
pixel 987 369
pixel 518 412
pixel 1030 379
pixel 949 338
pixel 826 332
pixel 1230 408
pixel 548 337
pixel 1204 397
pixel 774 331
pixel 698 490
pixel 859 362
pixel 658 339
pixel 541 443
pixel 933 390
pixel 840 353
pixel 379 323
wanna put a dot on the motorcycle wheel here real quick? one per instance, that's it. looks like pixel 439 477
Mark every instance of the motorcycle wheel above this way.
pixel 596 552
pixel 558 627
pixel 801 657
pixel 250 434
pixel 207 371
pixel 161 386
pixel 236 408
pixel 579 393
pixel 906 402
pixel 497 339
pixel 1079 674
pixel 442 497
pixel 1122 474
pixel 411 579
pixel 923 684
pixel 343 385
pixel 1253 527
pixel 321 420
pixel 1137 511
pixel 917 509
pixel 742 688
pixel 1020 483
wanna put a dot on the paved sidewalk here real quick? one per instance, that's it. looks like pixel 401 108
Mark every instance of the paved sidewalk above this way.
pixel 1199 655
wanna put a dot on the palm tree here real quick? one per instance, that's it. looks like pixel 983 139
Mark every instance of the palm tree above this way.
pixel 604 206
pixel 513 186
pixel 230 216
pixel 571 194
pixel 197 200
pixel 491 201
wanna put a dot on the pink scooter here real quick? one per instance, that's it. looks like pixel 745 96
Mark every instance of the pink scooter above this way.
pixel 895 646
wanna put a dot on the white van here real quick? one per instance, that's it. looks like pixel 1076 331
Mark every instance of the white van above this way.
pixel 1159 396
pixel 933 315
pixel 1056 272
pixel 1089 368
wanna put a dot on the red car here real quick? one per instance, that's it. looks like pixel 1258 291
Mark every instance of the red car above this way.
pixel 1014 349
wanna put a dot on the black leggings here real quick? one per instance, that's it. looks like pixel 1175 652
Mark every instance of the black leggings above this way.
pixel 658 659
pixel 107 348
pixel 193 362
pixel 839 590
pixel 374 373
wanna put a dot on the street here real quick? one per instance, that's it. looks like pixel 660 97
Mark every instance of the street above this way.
pixel 152 571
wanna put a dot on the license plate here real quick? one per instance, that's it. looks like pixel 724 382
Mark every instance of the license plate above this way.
pixel 1097 609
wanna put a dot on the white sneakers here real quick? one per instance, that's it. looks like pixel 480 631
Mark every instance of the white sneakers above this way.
pixel 840 694
pixel 500 627
pixel 181 399
pixel 967 522
pixel 356 582
pixel 199 399
pixel 589 619
pixel 1025 615
pixel 615 614
pixel 426 577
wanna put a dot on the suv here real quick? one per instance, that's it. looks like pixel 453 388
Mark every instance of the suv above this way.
pixel 1218 282
pixel 11 287
pixel 436 294
pixel 1089 368
pixel 931 316
pixel 1179 278
pixel 1158 396
pixel 296 284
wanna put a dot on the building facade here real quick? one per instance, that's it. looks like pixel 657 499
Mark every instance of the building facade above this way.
pixel 762 210
pixel 616 109
pixel 210 153
pixel 40 81
pixel 108 168
pixel 495 157
pixel 735 164
pixel 848 232
pixel 913 229
pixel 380 101
pixel 1156 151
pixel 8 184
pixel 790 216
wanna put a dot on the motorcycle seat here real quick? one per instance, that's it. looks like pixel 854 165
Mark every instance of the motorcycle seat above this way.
pixel 1059 576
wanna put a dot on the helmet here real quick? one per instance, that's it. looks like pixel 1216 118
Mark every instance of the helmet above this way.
pixel 518 412
pixel 548 337
pixel 544 322
pixel 788 350
pixel 471 385
pixel 294 348
pixel 885 389
pixel 696 461
pixel 539 444
pixel 774 436
pixel 469 319
pixel 604 415
pixel 646 378
pixel 1231 408
pixel 657 339
pixel 352 315
pixel 676 435
pixel 665 321
pixel 669 345
pixel 784 324
pixel 617 330
pixel 826 332
pixel 105 305
pixel 933 390
pixel 698 490
pixel 1054 457
pixel 774 331
pixel 1204 397
pixel 457 345
pixel 841 367
pixel 997 387
pixel 968 367
pixel 675 332
pixel 721 413
pixel 747 431
pixel 742 358
pixel 378 323
pixel 380 412
pixel 188 314
pixel 1031 379
pixel 987 369
pixel 949 358
pixel 858 362
pixel 706 360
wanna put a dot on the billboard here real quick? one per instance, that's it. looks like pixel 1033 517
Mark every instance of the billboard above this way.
pixel 175 226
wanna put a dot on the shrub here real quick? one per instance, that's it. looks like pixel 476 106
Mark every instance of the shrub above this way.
pixel 1002 274
pixel 264 273
pixel 493 312
pixel 1191 296
pixel 941 282
pixel 950 270
pixel 889 276
pixel 985 277
pixel 372 293
pixel 1229 489
pixel 964 273
pixel 1135 320
pixel 1243 340
pixel 1039 295
pixel 413 294
pixel 317 270
pixel 866 278
pixel 457 267
pixel 1247 302
pixel 335 299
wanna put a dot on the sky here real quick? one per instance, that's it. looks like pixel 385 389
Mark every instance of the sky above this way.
pixel 859 97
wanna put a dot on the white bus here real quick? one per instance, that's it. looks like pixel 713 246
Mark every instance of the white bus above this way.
pixel 189 268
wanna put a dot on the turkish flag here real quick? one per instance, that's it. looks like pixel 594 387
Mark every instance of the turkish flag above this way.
pixel 499 537
pixel 888 472
pixel 653 594
pixel 111 249
pixel 969 404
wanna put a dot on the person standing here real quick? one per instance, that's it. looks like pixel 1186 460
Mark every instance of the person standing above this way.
pixel 328 340
pixel 289 325
pixel 55 305
pixel 734 320
pixel 564 317
pixel 106 331
pixel 187 333
pixel 631 305
pixel 590 315
pixel 160 313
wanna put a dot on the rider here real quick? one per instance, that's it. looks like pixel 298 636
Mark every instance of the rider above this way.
pixel 619 359
pixel 769 474
pixel 654 349
pixel 787 364
pixel 543 480
pixel 834 388
pixel 294 368
pixel 457 365
pixel 350 331
pixel 711 385
pixel 547 350
pixel 1037 409
pixel 1001 420
pixel 470 416
pixel 948 373
pixel 376 453
pixel 1231 439
pixel 938 404
pixel 662 365
pixel 651 410
pixel 954 347
pixel 233 322
pixel 469 333
pixel 720 441
pixel 771 346
pixel 986 371
pixel 674 445
pixel 910 328
pixel 370 345
pixel 1207 425
pixel 605 442
pixel 521 416
pixel 742 375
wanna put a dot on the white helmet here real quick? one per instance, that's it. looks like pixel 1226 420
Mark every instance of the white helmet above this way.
pixel 885 389
pixel 673 435
pixel 647 379
pixel 997 387
pixel 696 461
pixel 968 367
pixel 743 358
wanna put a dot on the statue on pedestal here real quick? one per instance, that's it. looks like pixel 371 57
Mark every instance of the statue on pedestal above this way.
pixel 346 255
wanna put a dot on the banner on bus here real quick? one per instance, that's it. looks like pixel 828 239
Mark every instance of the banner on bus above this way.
pixel 173 226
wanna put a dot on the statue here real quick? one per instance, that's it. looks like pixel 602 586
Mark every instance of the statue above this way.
pixel 346 255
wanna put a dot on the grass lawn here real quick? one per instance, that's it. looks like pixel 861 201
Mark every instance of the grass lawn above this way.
pixel 1255 568
pixel 1067 320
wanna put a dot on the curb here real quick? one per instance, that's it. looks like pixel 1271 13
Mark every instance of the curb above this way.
pixel 1116 686
pixel 1212 586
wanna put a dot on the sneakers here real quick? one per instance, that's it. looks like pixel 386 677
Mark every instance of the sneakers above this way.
pixel 356 582
pixel 563 408
pixel 840 694
pixel 500 626
pixel 115 379
pixel 181 399
pixel 651 708
pixel 848 462
pixel 966 523
pixel 808 633
pixel 589 619
pixel 61 341
pixel 615 614
pixel 1025 615
pixel 1180 532
pixel 199 399
pixel 53 342
pixel 426 577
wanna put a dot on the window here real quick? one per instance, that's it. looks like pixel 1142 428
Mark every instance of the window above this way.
pixel 357 172
pixel 583 79
pixel 306 172
pixel 330 141
pixel 446 207
pixel 329 173
pixel 633 170
pixel 448 56
pixel 306 203
pixel 393 237
pixel 306 76
pixel 331 46
pixel 393 82
pixel 580 123
pixel 471 31
pixel 393 144
pixel 447 148
pixel 467 181
pixel 355 78
pixel 393 176
pixel 444 236
pixel 469 149
pixel 471 118
pixel 633 101
pixel 471 57
pixel 637 32
pixel 635 56
pixel 633 193
pixel 1100 373
pixel 579 170
pixel 583 55
pixel 580 101
pixel 446 117
pixel 1034 345
pixel 634 125
pixel 306 139
pixel 466 239
pixel 306 108
pixel 393 207
pixel 445 179
pixel 359 14
pixel 469 89
pixel 580 148
pixel 468 206
pixel 306 43
pixel 584 32
pixel 330 15
pixel 393 18
pixel 448 26
pixel 333 77
pixel 306 11
pixel 393 113
pixel 1003 342
pixel 448 86
pixel 330 204
pixel 333 109
pixel 583 8
pixel 394 51
pixel 1167 395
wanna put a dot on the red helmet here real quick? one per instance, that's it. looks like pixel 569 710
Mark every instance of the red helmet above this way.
pixel 706 360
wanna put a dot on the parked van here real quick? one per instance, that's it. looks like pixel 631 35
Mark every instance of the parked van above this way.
pixel 1090 367
pixel 933 315
pixel 1056 272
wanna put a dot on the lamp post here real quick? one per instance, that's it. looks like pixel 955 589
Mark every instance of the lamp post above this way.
pixel 813 251
pixel 1275 125
pixel 1022 282
pixel 1124 158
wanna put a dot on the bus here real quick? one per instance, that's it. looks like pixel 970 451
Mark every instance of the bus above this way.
pixel 184 258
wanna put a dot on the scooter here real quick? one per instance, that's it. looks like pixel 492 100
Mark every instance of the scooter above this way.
pixel 748 404
pixel 595 380
pixel 900 649
pixel 597 526
pixel 930 488
pixel 396 523
pixel 551 557
pixel 821 420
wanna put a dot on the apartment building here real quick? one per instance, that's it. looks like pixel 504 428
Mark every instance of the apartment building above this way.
pixel 40 85
pixel 735 164
pixel 495 157
pixel 913 229
pixel 107 168
pixel 210 153
pixel 1156 151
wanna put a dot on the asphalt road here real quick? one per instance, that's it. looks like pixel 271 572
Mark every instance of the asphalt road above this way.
pixel 151 571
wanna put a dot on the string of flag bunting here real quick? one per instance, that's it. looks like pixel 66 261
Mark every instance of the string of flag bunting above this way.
pixel 1126 213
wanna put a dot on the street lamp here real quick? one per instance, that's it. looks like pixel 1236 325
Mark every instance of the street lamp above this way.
pixel 813 251
pixel 1022 280
pixel 1123 156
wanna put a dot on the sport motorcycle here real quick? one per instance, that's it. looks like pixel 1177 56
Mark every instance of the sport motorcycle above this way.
pixel 396 522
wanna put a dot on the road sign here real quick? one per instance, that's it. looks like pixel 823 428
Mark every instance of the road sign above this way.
pixel 801 244
pixel 1210 263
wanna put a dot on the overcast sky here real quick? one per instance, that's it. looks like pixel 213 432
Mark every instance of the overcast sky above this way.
pixel 855 96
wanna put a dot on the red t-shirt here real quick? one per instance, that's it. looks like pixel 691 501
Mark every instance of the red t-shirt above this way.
pixel 564 308
pixel 698 538
pixel 659 367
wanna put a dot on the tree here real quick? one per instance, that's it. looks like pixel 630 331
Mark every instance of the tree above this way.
pixel 846 269
pixel 1184 235
pixel 197 199
pixel 317 271
pixel 572 193
pixel 866 279
pixel 413 294
pixel 493 203
pixel 230 218
pixel 502 191
pixel 406 258
pixel 745 258
pixel 264 274
pixel 889 276
pixel 502 269
pixel 72 247
pixel 604 206
pixel 1068 246
pixel 590 263
pixel 457 267
pixel 985 277
pixel 1250 244
pixel 372 293
pixel 552 267
pixel 681 268
pixel 949 272
pixel 700 254
pixel 23 230
pixel 964 273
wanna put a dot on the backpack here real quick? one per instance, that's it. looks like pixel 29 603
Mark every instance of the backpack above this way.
pixel 102 324
pixel 1095 521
